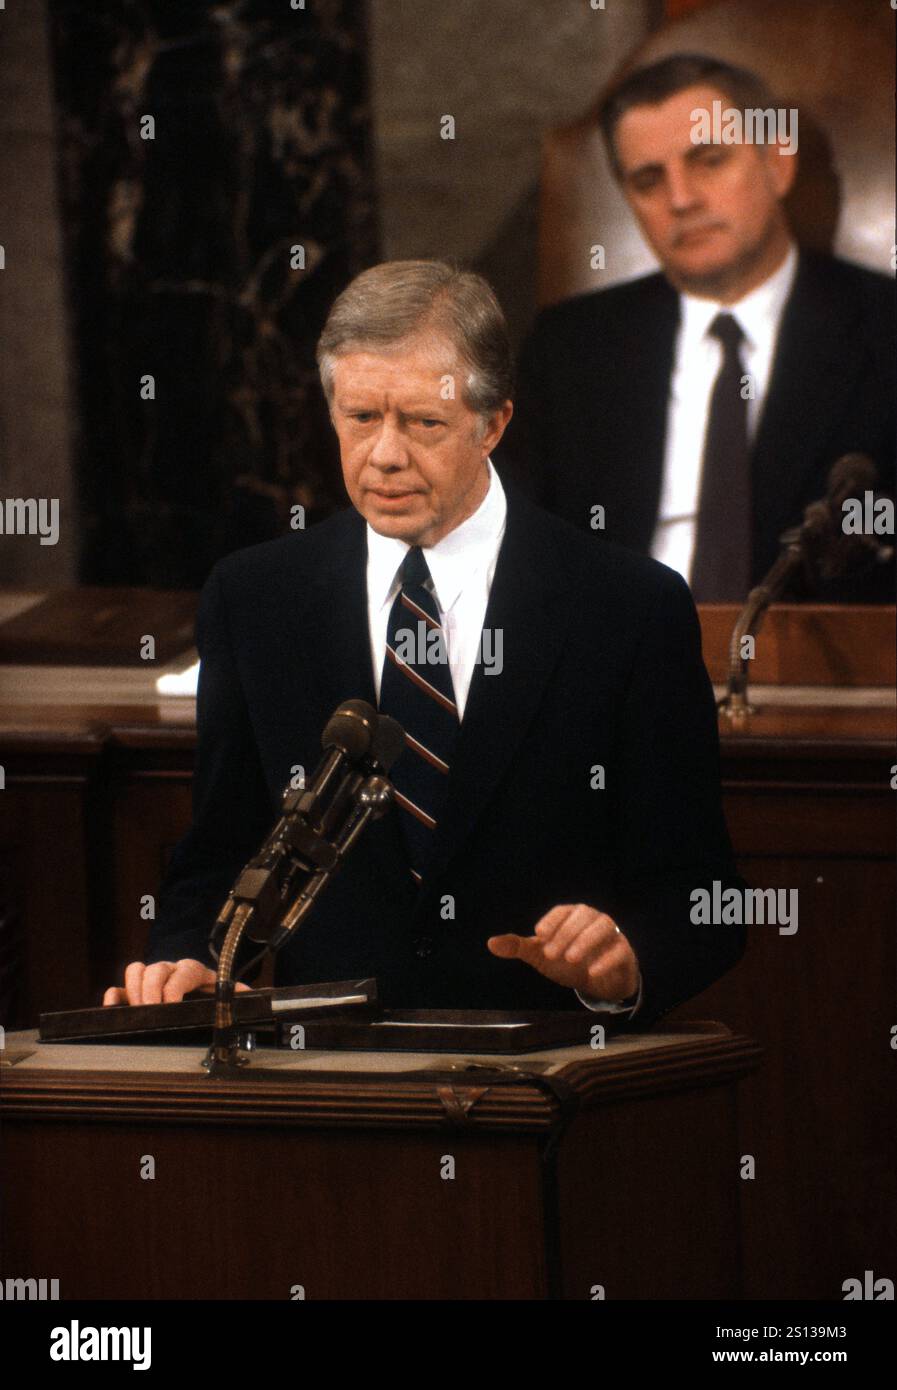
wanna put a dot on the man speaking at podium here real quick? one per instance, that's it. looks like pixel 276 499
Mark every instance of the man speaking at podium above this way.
pixel 558 799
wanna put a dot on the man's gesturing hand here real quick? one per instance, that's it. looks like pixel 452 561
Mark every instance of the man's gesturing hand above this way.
pixel 166 982
pixel 577 946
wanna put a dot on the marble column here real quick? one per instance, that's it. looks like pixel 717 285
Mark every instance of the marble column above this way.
pixel 216 197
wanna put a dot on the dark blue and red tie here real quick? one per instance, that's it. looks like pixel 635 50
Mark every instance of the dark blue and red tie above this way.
pixel 416 688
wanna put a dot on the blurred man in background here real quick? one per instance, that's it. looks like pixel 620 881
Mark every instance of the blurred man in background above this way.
pixel 703 407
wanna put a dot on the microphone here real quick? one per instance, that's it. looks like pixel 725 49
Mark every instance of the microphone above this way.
pixel 348 736
pixel 389 741
pixel 386 743
pixel 360 746
pixel 849 474
pixel 278 888
pixel 819 545
pixel 818 548
pixel 831 551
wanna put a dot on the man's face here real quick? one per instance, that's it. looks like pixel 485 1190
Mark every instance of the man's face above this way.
pixel 413 454
pixel 709 212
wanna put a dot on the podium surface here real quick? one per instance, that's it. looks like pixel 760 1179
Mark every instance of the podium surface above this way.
pixel 571 1173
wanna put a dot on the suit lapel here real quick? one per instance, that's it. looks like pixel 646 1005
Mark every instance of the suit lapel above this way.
pixel 331 620
pixel 810 365
pixel 331 623
pixel 639 400
pixel 527 605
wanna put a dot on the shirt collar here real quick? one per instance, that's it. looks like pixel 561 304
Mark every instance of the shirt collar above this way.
pixel 758 312
pixel 470 547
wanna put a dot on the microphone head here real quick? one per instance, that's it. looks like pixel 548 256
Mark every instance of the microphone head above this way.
pixel 389 741
pixel 351 728
pixel 849 476
pixel 818 523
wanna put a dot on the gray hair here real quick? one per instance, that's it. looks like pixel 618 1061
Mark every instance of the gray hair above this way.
pixel 391 302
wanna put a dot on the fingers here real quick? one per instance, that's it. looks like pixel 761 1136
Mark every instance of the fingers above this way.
pixel 132 991
pixel 164 982
pixel 614 975
pixel 589 941
pixel 507 946
pixel 134 982
pixel 576 945
pixel 186 975
pixel 545 927
pixel 155 982
pixel 568 932
pixel 558 933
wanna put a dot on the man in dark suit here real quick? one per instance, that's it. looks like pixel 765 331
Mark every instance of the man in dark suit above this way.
pixel 558 800
pixel 702 408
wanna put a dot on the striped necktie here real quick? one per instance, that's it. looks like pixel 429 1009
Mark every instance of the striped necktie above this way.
pixel 416 688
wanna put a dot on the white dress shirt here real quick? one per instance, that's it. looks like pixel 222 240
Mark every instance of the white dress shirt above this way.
pixel 461 566
pixel 696 362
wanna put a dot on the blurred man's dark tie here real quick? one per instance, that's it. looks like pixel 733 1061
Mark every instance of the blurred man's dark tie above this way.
pixel 721 570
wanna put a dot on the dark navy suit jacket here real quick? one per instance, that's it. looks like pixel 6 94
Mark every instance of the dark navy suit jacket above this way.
pixel 601 666
pixel 589 424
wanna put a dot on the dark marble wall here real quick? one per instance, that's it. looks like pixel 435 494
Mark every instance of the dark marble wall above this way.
pixel 36 408
pixel 180 265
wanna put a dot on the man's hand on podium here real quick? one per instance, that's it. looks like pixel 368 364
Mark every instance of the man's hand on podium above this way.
pixel 577 946
pixel 165 982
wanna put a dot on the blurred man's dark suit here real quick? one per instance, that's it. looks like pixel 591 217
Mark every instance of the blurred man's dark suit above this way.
pixel 602 665
pixel 590 415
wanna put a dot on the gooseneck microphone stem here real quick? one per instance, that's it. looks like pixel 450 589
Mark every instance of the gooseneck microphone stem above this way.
pixel 734 704
pixel 278 888
pixel 816 546
pixel 224 1052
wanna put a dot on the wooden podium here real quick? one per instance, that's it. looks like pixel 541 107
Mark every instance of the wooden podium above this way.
pixel 572 1173
pixel 96 795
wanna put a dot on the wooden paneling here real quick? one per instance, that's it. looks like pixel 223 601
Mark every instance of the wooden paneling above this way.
pixel 824 645
pixel 339 1183
pixel 668 1172
pixel 675 9
pixel 47 848
pixel 150 812
pixel 818 1117
pixel 344 1215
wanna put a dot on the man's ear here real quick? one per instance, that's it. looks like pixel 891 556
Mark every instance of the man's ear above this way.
pixel 496 426
pixel 782 166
